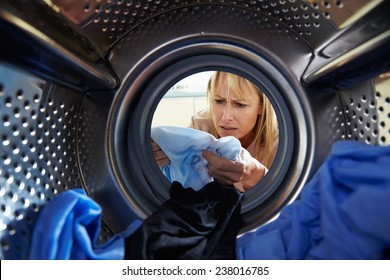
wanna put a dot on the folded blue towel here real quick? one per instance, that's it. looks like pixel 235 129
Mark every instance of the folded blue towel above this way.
pixel 184 147
pixel 68 227
pixel 343 212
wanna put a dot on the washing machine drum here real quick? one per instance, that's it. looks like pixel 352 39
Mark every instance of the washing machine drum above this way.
pixel 77 113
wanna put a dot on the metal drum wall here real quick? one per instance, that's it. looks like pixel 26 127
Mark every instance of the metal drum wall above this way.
pixel 80 80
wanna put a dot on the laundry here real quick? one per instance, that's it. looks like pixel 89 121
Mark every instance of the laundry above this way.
pixel 342 213
pixel 184 147
pixel 190 225
pixel 68 227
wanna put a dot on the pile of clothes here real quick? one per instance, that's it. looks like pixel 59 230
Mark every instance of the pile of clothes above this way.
pixel 342 213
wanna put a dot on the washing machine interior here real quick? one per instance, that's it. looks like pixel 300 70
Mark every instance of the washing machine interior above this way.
pixel 80 81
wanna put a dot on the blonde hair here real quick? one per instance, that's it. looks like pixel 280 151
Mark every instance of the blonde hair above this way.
pixel 266 128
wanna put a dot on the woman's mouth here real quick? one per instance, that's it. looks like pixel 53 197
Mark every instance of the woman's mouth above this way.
pixel 227 130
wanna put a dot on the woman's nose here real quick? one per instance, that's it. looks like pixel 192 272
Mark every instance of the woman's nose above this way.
pixel 227 113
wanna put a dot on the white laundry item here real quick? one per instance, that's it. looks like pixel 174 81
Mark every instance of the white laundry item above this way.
pixel 184 147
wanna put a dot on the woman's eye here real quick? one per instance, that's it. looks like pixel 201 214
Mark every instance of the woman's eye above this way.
pixel 218 101
pixel 241 105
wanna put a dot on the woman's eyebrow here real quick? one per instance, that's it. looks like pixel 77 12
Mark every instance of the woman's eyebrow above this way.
pixel 240 101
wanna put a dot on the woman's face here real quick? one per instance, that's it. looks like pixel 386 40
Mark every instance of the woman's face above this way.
pixel 236 117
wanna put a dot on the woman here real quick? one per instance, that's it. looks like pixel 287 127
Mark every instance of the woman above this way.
pixel 237 108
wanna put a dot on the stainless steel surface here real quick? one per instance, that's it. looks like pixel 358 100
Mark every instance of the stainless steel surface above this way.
pixel 38 152
pixel 107 21
pixel 79 81
pixel 357 52
pixel 41 35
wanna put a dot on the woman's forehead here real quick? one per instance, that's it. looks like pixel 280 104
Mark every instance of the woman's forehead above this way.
pixel 244 93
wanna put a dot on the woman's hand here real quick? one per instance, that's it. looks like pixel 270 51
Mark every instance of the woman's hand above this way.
pixel 243 174
pixel 160 157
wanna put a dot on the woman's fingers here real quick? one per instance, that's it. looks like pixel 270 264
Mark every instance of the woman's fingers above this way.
pixel 160 157
pixel 247 170
pixel 224 170
pixel 155 147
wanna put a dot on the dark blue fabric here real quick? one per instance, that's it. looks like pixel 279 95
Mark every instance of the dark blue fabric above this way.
pixel 342 213
pixel 68 227
pixel 190 225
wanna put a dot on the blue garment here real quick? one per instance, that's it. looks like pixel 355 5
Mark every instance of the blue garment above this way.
pixel 184 147
pixel 68 227
pixel 343 212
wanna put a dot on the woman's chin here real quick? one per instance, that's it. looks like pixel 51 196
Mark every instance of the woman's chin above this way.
pixel 224 133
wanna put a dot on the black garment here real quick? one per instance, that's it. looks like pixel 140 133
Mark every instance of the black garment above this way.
pixel 190 225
